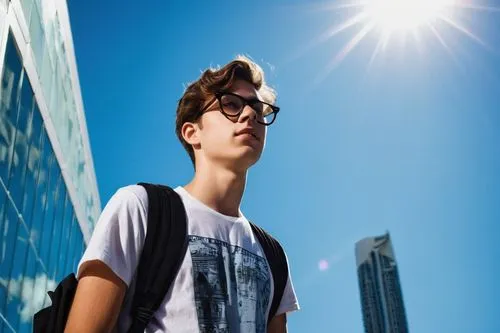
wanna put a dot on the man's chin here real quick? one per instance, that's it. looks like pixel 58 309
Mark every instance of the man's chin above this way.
pixel 246 160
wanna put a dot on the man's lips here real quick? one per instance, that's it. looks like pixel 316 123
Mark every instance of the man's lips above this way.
pixel 249 131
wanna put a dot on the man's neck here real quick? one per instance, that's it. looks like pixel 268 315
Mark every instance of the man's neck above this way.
pixel 218 188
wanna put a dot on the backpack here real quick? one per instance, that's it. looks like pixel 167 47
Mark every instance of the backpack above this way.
pixel 167 225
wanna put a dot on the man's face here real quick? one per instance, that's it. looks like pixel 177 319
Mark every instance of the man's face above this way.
pixel 235 142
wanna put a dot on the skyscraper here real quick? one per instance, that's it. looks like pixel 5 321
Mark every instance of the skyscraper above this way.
pixel 379 286
pixel 49 200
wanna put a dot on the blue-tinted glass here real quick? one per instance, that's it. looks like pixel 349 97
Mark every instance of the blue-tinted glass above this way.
pixel 8 102
pixel 76 247
pixel 37 35
pixel 39 210
pixel 7 249
pixel 68 259
pixel 78 250
pixel 46 74
pixel 51 205
pixel 34 156
pixel 21 143
pixel 27 5
pixel 27 292
pixel 55 244
pixel 55 89
pixel 34 290
pixel 15 298
pixel 65 240
pixel 3 203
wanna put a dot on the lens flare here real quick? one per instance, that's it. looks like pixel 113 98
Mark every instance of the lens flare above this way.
pixel 323 265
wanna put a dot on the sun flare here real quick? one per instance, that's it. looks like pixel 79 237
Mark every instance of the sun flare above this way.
pixel 397 15
pixel 407 23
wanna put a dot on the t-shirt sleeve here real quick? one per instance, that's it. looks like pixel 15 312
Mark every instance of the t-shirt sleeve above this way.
pixel 120 232
pixel 289 302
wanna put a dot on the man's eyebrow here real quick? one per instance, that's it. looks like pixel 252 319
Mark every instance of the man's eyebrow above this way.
pixel 251 98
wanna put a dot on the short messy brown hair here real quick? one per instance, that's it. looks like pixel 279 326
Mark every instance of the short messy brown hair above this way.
pixel 212 81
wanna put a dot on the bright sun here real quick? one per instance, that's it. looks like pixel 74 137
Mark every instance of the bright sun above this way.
pixel 386 20
pixel 397 15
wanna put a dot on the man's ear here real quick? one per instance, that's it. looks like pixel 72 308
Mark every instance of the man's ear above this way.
pixel 190 132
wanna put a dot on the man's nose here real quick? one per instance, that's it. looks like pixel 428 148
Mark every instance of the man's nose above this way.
pixel 247 113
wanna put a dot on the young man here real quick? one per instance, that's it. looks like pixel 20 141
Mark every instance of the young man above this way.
pixel 221 122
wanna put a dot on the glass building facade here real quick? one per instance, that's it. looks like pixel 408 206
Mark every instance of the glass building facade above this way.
pixel 380 290
pixel 48 191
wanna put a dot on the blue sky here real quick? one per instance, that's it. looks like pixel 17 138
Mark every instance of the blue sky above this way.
pixel 409 144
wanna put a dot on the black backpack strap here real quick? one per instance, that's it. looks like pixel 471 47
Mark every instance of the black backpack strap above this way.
pixel 164 250
pixel 276 258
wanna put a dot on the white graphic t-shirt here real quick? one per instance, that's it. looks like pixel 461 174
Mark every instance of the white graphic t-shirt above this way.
pixel 224 283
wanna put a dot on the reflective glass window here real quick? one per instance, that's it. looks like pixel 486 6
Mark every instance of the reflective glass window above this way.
pixel 75 247
pixel 79 246
pixel 21 143
pixel 47 75
pixel 3 203
pixel 39 209
pixel 65 240
pixel 32 299
pixel 55 243
pixel 37 35
pixel 68 260
pixel 50 213
pixel 41 284
pixel 53 99
pixel 27 5
pixel 12 71
pixel 7 248
pixel 32 168
pixel 19 246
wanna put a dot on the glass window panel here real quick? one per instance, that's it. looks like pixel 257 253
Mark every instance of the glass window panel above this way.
pixel 25 105
pixel 56 89
pixel 27 5
pixel 3 203
pixel 7 249
pixel 55 244
pixel 29 297
pixel 46 75
pixel 59 113
pixel 49 28
pixel 39 211
pixel 65 240
pixel 37 36
pixel 90 212
pixel 34 157
pixel 3 207
pixel 41 284
pixel 78 249
pixel 8 102
pixel 51 205
pixel 12 310
pixel 68 259
pixel 3 17
pixel 21 143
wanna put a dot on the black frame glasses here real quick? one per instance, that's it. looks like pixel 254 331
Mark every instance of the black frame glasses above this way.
pixel 231 110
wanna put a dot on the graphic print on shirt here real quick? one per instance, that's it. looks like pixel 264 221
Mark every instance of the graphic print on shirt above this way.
pixel 231 287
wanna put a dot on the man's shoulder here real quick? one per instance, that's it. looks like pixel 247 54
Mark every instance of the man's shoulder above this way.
pixel 261 230
pixel 131 195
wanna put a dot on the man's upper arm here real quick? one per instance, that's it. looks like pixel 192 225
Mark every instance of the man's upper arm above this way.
pixel 98 299
pixel 109 261
pixel 277 324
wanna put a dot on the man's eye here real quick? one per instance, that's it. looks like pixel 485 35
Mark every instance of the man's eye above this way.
pixel 231 105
